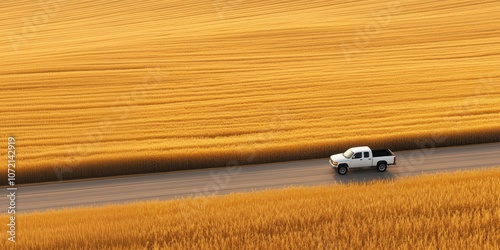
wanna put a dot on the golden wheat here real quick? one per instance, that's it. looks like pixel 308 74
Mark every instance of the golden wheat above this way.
pixel 444 211
pixel 161 85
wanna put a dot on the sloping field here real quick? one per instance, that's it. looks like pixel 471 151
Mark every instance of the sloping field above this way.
pixel 94 88
pixel 443 211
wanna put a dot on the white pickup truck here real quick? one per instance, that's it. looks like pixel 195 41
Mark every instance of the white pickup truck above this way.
pixel 361 157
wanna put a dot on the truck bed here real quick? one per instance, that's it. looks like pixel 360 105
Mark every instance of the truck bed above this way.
pixel 382 152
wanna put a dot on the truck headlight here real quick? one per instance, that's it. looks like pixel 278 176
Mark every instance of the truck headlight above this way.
pixel 335 163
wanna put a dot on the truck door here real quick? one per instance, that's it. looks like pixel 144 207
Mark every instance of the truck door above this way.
pixel 367 159
pixel 357 160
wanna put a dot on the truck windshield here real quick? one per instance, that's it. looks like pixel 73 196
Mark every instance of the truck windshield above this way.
pixel 348 154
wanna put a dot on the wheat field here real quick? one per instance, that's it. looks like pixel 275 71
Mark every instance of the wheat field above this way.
pixel 442 211
pixel 119 87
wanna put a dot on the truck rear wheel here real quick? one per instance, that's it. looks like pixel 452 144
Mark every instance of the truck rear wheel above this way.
pixel 381 166
pixel 342 170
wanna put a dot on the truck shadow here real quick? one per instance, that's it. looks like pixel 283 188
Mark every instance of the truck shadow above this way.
pixel 362 175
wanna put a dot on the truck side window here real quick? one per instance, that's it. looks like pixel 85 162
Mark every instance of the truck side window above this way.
pixel 357 155
pixel 367 154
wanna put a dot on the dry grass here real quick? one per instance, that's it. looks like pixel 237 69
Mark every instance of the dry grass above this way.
pixel 443 211
pixel 161 85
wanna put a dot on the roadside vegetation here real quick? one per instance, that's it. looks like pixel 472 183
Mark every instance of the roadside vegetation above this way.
pixel 122 87
pixel 443 211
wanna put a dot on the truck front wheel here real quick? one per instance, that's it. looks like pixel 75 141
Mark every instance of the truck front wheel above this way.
pixel 342 170
pixel 381 166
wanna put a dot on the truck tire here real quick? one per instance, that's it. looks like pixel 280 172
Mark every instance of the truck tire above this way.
pixel 342 170
pixel 381 166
